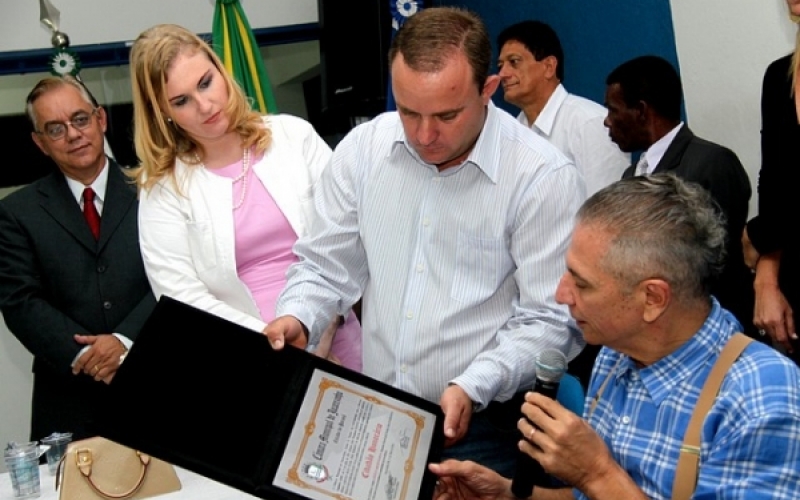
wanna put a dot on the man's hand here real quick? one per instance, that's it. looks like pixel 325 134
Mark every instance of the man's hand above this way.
pixel 286 329
pixel 457 408
pixel 567 447
pixel 102 358
pixel 469 481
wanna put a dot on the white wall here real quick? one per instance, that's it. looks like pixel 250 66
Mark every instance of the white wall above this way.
pixel 105 21
pixel 15 391
pixel 724 46
pixel 16 383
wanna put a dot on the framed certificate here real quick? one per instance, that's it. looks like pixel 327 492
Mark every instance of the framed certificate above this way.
pixel 350 441
pixel 214 398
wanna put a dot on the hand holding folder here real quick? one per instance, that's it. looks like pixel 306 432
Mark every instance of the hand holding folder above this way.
pixel 215 398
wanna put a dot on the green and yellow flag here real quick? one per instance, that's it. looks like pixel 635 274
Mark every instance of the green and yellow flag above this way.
pixel 235 44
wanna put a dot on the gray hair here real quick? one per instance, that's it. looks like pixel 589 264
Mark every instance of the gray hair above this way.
pixel 662 227
pixel 49 83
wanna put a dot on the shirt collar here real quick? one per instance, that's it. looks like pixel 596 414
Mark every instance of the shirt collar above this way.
pixel 544 122
pixel 660 378
pixel 656 151
pixel 99 187
pixel 483 155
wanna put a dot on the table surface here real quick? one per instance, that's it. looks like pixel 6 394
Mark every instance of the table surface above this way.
pixel 193 486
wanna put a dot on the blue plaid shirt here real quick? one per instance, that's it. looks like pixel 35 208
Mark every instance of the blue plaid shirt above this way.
pixel 750 438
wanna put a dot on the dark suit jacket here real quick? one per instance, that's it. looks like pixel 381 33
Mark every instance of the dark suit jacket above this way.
pixel 719 171
pixel 56 281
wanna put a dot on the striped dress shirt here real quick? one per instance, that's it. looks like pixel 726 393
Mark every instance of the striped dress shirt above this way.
pixel 458 269
pixel 750 440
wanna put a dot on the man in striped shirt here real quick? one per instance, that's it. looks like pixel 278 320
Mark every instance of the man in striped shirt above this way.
pixel 451 220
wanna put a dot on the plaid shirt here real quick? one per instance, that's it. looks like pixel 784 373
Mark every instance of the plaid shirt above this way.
pixel 750 438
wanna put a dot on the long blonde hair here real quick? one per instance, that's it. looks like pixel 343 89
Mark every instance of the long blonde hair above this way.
pixel 159 142
pixel 794 70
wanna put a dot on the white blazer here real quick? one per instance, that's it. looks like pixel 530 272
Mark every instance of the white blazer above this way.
pixel 186 235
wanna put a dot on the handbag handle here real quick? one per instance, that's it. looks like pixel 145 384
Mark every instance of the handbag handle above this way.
pixel 83 458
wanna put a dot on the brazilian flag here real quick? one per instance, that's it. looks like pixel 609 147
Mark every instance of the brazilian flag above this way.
pixel 235 44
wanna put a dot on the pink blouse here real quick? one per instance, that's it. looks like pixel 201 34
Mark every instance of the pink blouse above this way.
pixel 264 241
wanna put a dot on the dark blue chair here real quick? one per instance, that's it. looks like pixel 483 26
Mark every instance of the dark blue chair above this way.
pixel 570 394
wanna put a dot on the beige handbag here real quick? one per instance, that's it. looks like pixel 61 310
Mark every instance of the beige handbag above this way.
pixel 97 468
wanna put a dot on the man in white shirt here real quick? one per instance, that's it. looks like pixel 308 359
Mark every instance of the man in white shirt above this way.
pixel 451 221
pixel 531 67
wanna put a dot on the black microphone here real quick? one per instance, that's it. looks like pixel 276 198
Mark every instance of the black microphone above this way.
pixel 551 364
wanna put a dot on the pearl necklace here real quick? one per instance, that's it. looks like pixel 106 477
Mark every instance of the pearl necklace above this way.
pixel 242 177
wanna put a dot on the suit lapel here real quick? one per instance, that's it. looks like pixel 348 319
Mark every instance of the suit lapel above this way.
pixel 674 153
pixel 119 198
pixel 58 202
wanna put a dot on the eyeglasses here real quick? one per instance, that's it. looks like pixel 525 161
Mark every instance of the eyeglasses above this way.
pixel 56 130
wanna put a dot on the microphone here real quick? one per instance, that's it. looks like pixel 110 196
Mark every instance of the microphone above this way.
pixel 551 364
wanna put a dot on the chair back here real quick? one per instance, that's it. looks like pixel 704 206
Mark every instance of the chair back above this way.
pixel 571 394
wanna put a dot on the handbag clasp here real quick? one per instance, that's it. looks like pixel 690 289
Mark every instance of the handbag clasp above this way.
pixel 83 459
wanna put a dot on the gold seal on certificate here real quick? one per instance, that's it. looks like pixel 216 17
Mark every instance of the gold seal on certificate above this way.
pixel 351 442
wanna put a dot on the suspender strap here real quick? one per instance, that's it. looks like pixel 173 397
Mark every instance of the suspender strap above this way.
pixel 602 388
pixel 689 460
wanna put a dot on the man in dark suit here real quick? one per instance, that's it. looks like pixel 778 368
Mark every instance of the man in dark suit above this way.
pixel 75 299
pixel 643 97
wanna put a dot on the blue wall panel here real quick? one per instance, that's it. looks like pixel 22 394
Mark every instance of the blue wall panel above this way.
pixel 597 35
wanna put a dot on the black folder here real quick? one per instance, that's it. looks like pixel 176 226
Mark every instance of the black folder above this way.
pixel 215 398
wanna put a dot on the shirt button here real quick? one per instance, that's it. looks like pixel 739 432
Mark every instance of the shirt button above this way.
pixel 437 179
pixel 626 420
pixel 426 222
pixel 403 368
pixel 101 269
pixel 107 304
pixel 420 268
pixel 409 315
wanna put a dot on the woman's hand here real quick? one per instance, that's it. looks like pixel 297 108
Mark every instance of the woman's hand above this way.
pixel 323 349
pixel 751 255
pixel 772 313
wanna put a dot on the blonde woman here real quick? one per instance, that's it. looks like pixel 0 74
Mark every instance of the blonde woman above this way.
pixel 771 243
pixel 224 191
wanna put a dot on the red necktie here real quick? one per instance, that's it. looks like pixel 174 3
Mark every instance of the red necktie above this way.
pixel 90 212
